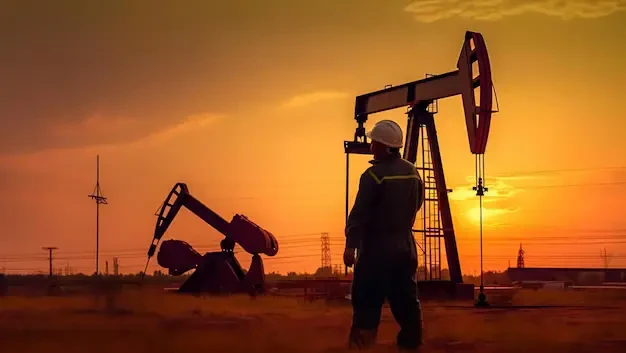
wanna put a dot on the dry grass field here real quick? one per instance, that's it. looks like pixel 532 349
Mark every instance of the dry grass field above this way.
pixel 152 321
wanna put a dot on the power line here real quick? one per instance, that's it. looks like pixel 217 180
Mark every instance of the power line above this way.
pixel 495 242
pixel 493 176
pixel 310 254
pixel 311 243
pixel 608 183
pixel 307 242
pixel 525 173
pixel 545 261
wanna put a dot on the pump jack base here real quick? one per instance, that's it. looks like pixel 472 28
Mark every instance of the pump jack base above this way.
pixel 221 273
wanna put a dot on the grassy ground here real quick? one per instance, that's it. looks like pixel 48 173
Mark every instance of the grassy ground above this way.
pixel 149 321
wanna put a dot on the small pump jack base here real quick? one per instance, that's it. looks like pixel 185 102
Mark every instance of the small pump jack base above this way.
pixel 482 300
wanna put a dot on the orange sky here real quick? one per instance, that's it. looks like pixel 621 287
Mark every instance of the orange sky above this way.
pixel 249 106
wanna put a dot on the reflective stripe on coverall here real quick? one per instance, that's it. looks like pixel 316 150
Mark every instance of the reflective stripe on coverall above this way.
pixel 380 226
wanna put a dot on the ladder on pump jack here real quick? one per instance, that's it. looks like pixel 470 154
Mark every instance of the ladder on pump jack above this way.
pixel 431 224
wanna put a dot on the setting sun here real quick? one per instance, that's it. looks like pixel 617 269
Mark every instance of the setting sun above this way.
pixel 488 214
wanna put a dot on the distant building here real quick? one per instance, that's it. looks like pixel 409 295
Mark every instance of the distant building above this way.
pixel 579 276
pixel 4 286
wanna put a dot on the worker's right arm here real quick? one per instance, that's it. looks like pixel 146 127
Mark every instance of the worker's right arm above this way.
pixel 362 210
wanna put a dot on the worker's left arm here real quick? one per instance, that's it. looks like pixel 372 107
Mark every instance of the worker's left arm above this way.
pixel 362 210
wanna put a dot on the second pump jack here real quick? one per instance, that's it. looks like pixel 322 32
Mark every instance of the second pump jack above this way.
pixel 215 272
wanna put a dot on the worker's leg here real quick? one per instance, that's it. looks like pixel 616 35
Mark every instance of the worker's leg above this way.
pixel 368 296
pixel 401 288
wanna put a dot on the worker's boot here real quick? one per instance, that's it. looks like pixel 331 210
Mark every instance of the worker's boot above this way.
pixel 408 343
pixel 362 338
pixel 411 338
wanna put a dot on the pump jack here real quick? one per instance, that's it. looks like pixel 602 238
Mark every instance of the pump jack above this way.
pixel 215 272
pixel 420 96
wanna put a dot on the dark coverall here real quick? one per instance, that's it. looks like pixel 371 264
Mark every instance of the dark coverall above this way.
pixel 380 228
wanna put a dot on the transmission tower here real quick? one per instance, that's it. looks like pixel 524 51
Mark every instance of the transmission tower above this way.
pixel 520 257
pixel 326 263
pixel 100 199
pixel 606 258
pixel 116 267
pixel 336 269
pixel 49 250
pixel 68 270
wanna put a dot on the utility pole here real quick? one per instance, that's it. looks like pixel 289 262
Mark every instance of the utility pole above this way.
pixel 606 258
pixel 100 199
pixel 49 250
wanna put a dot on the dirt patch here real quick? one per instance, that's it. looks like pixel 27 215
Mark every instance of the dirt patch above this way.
pixel 158 324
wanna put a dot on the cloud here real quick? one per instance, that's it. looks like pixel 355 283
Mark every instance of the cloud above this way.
pixel 189 125
pixel 503 187
pixel 518 177
pixel 490 215
pixel 154 61
pixel 314 97
pixel 428 11
pixel 498 190
pixel 192 123
pixel 95 126
pixel 491 212
pixel 546 173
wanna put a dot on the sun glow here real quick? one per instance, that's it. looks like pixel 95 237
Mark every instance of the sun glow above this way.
pixel 488 214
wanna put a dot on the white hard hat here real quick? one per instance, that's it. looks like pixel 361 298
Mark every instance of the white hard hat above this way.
pixel 387 132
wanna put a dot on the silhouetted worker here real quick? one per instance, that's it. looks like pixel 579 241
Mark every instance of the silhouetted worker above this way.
pixel 380 227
